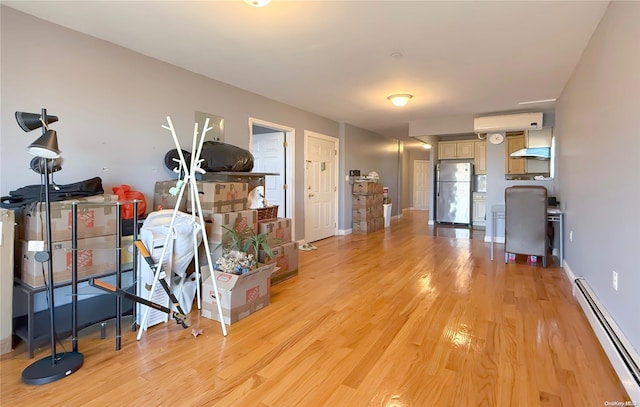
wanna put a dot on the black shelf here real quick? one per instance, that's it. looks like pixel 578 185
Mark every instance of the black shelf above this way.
pixel 91 311
pixel 34 328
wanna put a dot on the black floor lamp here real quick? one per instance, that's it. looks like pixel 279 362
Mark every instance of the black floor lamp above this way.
pixel 58 365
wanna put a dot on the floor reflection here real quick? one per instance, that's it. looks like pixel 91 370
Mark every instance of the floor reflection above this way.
pixel 420 220
pixel 457 231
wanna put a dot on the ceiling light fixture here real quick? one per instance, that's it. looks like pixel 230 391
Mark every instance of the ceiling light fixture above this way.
pixel 400 99
pixel 532 102
pixel 257 3
pixel 426 146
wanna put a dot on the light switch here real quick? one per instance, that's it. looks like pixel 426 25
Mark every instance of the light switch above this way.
pixel 35 246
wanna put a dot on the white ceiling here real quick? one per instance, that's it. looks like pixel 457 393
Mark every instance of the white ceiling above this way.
pixel 334 58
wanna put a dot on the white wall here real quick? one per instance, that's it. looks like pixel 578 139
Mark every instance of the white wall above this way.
pixel 366 151
pixel 112 103
pixel 437 126
pixel 598 134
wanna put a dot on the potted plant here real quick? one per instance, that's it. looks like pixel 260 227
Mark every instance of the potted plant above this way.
pixel 258 242
pixel 236 244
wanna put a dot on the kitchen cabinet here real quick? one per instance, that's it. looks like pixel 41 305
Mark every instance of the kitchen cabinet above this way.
pixel 480 157
pixel 448 150
pixel 515 142
pixel 479 210
pixel 517 167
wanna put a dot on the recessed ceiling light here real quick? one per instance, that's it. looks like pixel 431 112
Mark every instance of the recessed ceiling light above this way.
pixel 400 99
pixel 531 102
pixel 257 3
pixel 396 55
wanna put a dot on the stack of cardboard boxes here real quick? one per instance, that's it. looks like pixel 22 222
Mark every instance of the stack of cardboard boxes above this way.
pixel 96 239
pixel 366 204
pixel 285 252
pixel 224 207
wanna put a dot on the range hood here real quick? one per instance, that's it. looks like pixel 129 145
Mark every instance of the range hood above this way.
pixel 539 153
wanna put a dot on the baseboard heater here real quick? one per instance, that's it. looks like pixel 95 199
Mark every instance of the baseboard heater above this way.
pixel 621 354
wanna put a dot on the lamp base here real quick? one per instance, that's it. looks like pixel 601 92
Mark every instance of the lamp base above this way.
pixel 44 371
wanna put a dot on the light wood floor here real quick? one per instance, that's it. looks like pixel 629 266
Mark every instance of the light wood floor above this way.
pixel 403 317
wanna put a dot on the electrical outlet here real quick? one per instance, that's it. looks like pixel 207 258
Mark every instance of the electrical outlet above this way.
pixel 614 281
pixel 571 235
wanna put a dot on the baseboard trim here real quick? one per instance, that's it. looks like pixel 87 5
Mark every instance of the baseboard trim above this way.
pixel 623 357
pixel 344 232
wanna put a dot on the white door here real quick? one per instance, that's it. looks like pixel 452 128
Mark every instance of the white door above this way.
pixel 321 192
pixel 270 153
pixel 421 184
pixel 269 156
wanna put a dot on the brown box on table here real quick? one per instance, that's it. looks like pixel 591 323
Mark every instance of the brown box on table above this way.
pixel 96 255
pixel 165 196
pixel 96 217
pixel 221 197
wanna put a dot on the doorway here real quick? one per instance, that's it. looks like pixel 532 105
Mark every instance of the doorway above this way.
pixel 320 186
pixel 421 184
pixel 272 147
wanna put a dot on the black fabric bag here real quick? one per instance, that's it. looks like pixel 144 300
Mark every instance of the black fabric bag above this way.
pixel 35 193
pixel 217 157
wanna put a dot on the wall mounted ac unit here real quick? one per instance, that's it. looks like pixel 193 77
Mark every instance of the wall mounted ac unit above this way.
pixel 509 122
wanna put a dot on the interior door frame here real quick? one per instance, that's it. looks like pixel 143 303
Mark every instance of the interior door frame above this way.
pixel 413 184
pixel 289 136
pixel 336 146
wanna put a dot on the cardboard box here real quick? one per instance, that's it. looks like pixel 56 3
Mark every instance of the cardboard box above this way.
pixel 215 227
pixel 366 187
pixel 216 223
pixel 164 199
pixel 285 258
pixel 278 231
pixel 364 201
pixel 363 214
pixel 96 217
pixel 368 226
pixel 215 248
pixel 96 256
pixel 221 197
pixel 239 295
pixel 7 230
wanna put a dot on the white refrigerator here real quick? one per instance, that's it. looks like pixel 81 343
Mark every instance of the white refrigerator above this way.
pixel 453 192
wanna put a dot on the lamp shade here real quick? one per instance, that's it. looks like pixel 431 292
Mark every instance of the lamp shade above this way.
pixel 46 146
pixel 400 99
pixel 31 121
